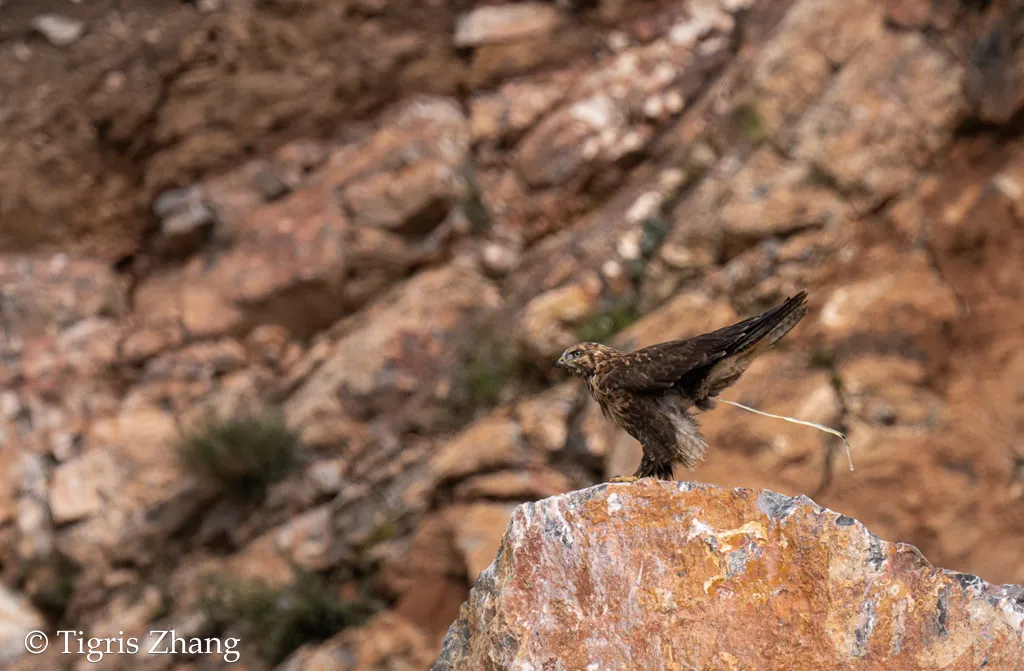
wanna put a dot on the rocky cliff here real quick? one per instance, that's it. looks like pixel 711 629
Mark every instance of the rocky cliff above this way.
pixel 681 575
pixel 379 222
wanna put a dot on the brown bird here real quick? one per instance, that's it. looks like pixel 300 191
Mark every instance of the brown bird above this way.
pixel 652 392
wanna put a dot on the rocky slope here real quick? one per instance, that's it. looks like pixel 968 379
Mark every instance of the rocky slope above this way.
pixel 385 223
pixel 687 576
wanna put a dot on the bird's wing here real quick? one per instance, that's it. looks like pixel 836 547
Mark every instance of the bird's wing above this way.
pixel 663 366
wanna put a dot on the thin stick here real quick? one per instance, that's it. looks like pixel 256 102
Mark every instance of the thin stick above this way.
pixel 799 421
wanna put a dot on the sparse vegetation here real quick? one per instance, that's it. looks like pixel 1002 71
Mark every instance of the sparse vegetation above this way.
pixel 493 361
pixel 52 585
pixel 244 454
pixel 280 619
pixel 473 205
pixel 821 178
pixel 750 124
pixel 655 230
pixel 602 326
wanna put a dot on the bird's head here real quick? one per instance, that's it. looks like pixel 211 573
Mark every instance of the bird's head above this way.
pixel 582 360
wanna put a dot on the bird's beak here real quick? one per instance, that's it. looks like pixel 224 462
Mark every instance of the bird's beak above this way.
pixel 560 363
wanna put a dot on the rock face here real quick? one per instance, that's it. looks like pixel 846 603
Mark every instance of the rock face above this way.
pixel 659 575
pixel 385 219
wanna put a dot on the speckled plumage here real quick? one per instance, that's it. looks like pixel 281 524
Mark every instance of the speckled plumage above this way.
pixel 652 393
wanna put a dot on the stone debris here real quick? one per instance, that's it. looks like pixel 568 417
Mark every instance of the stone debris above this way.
pixel 59 30
pixel 505 23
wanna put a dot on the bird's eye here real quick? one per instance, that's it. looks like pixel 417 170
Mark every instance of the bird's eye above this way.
pixel 575 355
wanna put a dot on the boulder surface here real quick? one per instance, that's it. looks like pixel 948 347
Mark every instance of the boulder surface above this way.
pixel 659 575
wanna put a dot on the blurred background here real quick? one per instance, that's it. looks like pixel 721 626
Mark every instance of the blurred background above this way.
pixel 282 283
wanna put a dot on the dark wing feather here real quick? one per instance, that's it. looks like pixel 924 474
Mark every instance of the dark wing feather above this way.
pixel 660 367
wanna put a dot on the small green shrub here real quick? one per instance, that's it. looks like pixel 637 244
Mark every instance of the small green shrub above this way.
pixel 244 454
pixel 602 326
pixel 750 124
pixel 281 619
pixel 493 361
pixel 52 584
pixel 655 230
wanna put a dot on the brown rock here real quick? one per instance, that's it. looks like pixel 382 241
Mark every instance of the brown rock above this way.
pixel 303 260
pixel 774 197
pixel 544 419
pixel 412 201
pixel 81 486
pixel 854 134
pixel 505 23
pixel 397 347
pixel 492 442
pixel 906 301
pixel 513 108
pixel 514 485
pixel 389 641
pixel 990 46
pixel 593 130
pixel 795 65
pixel 658 574
pixel 17 619
pixel 477 530
pixel 548 319
pixel 58 317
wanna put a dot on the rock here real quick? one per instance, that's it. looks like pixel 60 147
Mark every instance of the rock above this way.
pixel 186 220
pixel 514 485
pixel 505 23
pixel 43 294
pixel 492 442
pixel 409 175
pixel 870 149
pixel 80 486
pixel 994 82
pixel 513 108
pixel 17 619
pixel 775 197
pixel 548 319
pixel 59 30
pixel 499 259
pixel 569 142
pixel 900 301
pixel 307 258
pixel 477 530
pixel 665 575
pixel 597 126
pixel 411 201
pixel 388 641
pixel 401 353
pixel 544 419
pixel 796 64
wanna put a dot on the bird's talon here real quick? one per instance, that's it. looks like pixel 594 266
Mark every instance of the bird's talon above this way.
pixel 624 479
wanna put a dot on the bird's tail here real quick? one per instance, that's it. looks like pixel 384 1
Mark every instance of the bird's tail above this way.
pixel 745 341
pixel 761 332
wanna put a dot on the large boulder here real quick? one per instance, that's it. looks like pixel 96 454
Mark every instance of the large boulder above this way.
pixel 680 575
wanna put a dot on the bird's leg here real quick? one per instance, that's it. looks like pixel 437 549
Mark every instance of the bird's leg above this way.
pixel 619 479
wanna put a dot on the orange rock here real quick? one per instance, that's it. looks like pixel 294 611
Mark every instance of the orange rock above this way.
pixel 659 575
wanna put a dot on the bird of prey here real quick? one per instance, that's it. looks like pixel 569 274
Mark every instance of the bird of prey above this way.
pixel 653 392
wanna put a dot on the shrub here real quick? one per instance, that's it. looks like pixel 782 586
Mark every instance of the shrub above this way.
pixel 245 454
pixel 601 326
pixel 750 124
pixel 281 619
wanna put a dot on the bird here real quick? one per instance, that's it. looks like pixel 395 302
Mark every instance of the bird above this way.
pixel 653 393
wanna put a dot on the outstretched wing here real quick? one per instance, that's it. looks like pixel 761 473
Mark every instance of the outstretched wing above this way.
pixel 690 365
